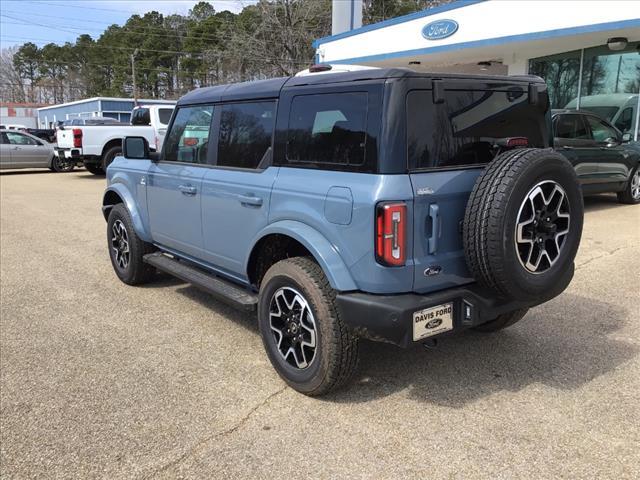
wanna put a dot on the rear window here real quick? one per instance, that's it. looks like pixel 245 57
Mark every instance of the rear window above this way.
pixel 328 129
pixel 141 116
pixel 469 127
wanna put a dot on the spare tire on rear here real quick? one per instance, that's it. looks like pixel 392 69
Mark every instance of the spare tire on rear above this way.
pixel 523 224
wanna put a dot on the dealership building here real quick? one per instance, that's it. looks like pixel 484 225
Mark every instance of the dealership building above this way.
pixel 581 49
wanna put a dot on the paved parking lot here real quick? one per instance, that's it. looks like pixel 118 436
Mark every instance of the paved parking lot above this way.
pixel 103 380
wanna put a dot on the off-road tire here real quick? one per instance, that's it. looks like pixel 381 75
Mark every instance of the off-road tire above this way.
pixel 136 272
pixel 503 321
pixel 58 167
pixel 336 354
pixel 493 211
pixel 626 195
pixel 94 168
pixel 109 155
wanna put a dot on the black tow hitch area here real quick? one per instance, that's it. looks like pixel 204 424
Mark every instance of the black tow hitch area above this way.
pixel 430 343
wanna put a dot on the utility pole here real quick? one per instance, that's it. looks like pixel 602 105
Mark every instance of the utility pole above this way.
pixel 133 74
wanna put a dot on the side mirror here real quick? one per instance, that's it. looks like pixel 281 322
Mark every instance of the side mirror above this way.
pixel 626 137
pixel 135 148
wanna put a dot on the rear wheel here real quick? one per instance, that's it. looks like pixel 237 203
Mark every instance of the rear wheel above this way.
pixel 503 321
pixel 94 168
pixel 306 340
pixel 126 249
pixel 631 192
pixel 61 164
pixel 523 224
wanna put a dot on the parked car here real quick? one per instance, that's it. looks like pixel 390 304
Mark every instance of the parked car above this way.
pixel 620 109
pixel 603 157
pixel 23 150
pixel 157 116
pixel 381 203
pixel 97 144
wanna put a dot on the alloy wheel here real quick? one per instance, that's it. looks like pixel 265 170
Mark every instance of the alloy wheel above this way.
pixel 542 227
pixel 294 328
pixel 635 185
pixel 120 244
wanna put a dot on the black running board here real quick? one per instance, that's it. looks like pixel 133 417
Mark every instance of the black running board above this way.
pixel 222 290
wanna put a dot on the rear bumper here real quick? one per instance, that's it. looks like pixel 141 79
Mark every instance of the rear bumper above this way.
pixel 389 318
pixel 70 153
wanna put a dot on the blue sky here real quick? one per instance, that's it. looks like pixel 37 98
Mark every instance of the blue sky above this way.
pixel 59 21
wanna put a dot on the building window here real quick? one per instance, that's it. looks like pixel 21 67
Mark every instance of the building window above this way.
pixel 609 85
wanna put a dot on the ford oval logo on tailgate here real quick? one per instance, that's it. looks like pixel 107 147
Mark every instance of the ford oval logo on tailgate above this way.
pixel 439 29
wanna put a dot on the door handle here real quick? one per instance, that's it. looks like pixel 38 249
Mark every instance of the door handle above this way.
pixel 567 147
pixel 15 148
pixel 250 200
pixel 434 211
pixel 187 189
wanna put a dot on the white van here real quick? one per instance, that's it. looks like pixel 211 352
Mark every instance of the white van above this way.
pixel 621 109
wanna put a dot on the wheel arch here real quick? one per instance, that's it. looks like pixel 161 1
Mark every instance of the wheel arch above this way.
pixel 118 193
pixel 114 142
pixel 313 243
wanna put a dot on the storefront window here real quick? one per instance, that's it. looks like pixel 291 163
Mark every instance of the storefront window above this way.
pixel 609 86
pixel 561 72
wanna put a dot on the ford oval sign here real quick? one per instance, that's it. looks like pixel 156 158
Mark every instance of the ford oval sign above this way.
pixel 439 29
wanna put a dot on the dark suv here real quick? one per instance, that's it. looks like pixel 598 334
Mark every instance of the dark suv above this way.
pixel 604 158
pixel 380 203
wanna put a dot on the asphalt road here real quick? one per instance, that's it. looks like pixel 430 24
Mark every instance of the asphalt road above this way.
pixel 102 380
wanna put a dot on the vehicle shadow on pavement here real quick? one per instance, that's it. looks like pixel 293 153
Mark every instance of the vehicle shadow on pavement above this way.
pixel 563 345
pixel 594 203
pixel 25 172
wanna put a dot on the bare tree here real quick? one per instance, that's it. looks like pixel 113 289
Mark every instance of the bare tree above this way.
pixel 12 88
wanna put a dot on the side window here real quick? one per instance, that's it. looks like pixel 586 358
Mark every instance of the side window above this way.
pixel 600 131
pixel 19 139
pixel 246 132
pixel 3 137
pixel 165 115
pixel 571 126
pixel 188 139
pixel 328 129
pixel 623 123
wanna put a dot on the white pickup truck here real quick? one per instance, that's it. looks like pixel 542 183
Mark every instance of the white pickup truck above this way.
pixel 97 145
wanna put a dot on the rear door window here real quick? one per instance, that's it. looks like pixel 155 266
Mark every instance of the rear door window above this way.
pixel 246 134
pixel 470 127
pixel 165 115
pixel 328 129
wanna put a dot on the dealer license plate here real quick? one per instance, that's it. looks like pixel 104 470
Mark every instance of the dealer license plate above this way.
pixel 432 321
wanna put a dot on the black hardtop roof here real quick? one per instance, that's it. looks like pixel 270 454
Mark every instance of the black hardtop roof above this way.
pixel 271 88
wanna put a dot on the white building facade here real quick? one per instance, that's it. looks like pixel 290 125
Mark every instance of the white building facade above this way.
pixel 581 48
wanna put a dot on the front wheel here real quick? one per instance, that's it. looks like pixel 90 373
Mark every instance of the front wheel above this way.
pixel 126 249
pixel 306 340
pixel 631 192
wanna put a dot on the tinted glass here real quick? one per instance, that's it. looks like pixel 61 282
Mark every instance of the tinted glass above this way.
pixel 328 129
pixel 165 115
pixel 470 127
pixel 188 139
pixel 600 131
pixel 141 116
pixel 246 131
pixel 19 139
pixel 624 120
pixel 570 126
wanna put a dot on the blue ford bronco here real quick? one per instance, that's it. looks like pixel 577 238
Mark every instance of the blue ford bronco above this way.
pixel 383 204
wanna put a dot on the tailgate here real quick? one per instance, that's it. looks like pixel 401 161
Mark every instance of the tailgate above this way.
pixel 449 143
pixel 65 138
pixel 439 204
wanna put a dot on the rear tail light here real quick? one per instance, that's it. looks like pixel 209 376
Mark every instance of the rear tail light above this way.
pixel 190 141
pixel 77 137
pixel 517 142
pixel 391 219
